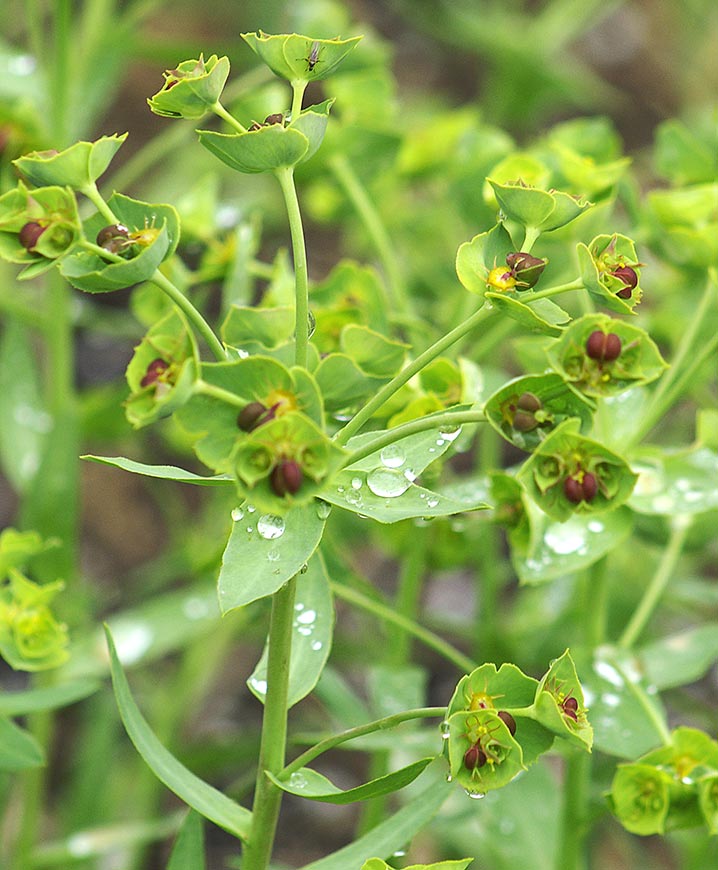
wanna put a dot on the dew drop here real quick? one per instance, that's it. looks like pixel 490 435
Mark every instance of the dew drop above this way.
pixel 250 529
pixel 273 555
pixel 387 482
pixel 307 616
pixel 270 527
pixel 439 442
pixel 451 435
pixel 449 777
pixel 400 853
pixel 356 482
pixel 323 509
pixel 392 456
pixel 317 645
pixel 237 514
pixel 475 795
pixel 251 508
pixel 432 501
pixel 410 475
pixel 445 729
pixel 354 498
pixel 297 780
pixel 259 685
pixel 340 489
pixel 303 569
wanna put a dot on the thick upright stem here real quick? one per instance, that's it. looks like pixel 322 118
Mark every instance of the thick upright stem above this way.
pixel 285 177
pixel 267 797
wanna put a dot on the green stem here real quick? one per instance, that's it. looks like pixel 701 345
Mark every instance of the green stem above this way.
pixel 387 614
pixel 532 234
pixel 219 110
pixel 298 88
pixel 370 217
pixel 398 381
pixel 574 823
pixel 95 197
pixel 205 389
pixel 408 595
pixel 285 176
pixel 676 378
pixel 489 563
pixel 267 797
pixel 60 79
pixel 655 589
pixel 449 420
pixel 192 314
pixel 577 284
pixel 360 731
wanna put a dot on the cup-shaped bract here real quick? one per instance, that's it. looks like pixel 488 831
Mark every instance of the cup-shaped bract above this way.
pixel 37 227
pixel 192 89
pixel 605 479
pixel 78 166
pixel 542 210
pixel 601 356
pixel 297 58
pixel 610 271
pixel 31 639
pixel 559 703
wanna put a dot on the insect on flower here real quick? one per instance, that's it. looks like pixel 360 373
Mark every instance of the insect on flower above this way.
pixel 312 58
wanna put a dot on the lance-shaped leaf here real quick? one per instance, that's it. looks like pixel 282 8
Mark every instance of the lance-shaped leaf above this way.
pixel 299 58
pixel 163 472
pixel 192 89
pixel 311 632
pixel 671 483
pixel 482 753
pixel 162 373
pixel 526 409
pixel 199 795
pixel 78 166
pixel 18 749
pixel 569 473
pixel 188 850
pixel 378 864
pixel 266 550
pixel 309 784
pixel 540 209
pixel 559 703
pixel 46 698
pixel 611 272
pixel 601 356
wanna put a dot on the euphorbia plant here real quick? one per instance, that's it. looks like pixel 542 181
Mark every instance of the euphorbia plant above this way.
pixel 300 412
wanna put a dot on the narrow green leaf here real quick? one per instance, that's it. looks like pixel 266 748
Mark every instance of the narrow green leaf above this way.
pixel 164 472
pixel 18 749
pixel 461 864
pixel 396 831
pixel 199 795
pixel 24 423
pixel 257 561
pixel 311 635
pixel 50 698
pixel 309 784
pixel 188 851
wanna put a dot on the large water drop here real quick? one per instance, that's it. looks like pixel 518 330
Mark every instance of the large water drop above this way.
pixel 387 482
pixel 270 527
pixel 392 456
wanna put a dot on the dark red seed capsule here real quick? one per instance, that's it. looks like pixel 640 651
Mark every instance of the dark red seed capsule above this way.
pixel 570 703
pixel 474 757
pixel 629 276
pixel 286 477
pixel 154 370
pixel 251 416
pixel 277 118
pixel 508 721
pixel 112 231
pixel 30 233
pixel 602 346
pixel 573 490
pixel 589 486
pixel 528 402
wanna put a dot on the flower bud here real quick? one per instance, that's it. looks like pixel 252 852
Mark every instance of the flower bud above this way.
pixel 286 477
pixel 154 370
pixel 251 416
pixel 508 721
pixel 30 233
pixel 525 268
pixel 602 346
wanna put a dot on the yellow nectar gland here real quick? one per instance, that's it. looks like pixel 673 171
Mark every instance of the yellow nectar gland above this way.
pixel 500 278
pixel 282 401
pixel 146 235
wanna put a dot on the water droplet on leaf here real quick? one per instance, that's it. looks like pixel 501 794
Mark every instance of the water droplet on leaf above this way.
pixel 237 514
pixel 270 527
pixel 392 456
pixel 387 482
pixel 323 509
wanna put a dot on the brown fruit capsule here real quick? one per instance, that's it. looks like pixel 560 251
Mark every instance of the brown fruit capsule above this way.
pixel 277 118
pixel 474 757
pixel 573 490
pixel 603 346
pixel 629 277
pixel 526 268
pixel 30 233
pixel 286 478
pixel 570 708
pixel 154 370
pixel 251 416
pixel 589 486
pixel 529 402
pixel 508 721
